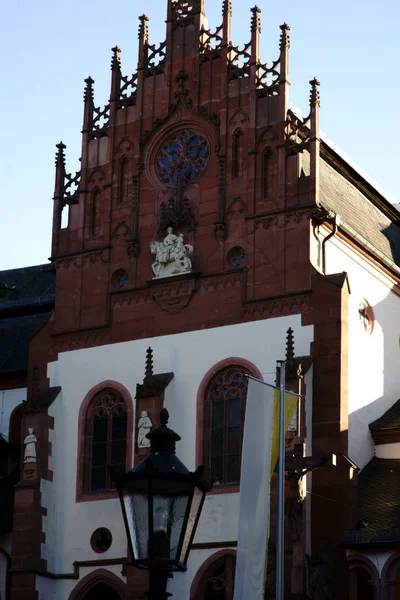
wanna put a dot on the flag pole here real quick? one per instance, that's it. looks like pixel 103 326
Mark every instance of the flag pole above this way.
pixel 280 582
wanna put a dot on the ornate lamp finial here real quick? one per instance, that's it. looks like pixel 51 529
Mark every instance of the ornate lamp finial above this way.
pixel 289 345
pixel 285 39
pixel 60 156
pixel 149 364
pixel 314 94
pixel 255 19
pixel 116 60
pixel 164 417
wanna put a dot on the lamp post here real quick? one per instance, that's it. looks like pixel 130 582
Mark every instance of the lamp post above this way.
pixel 161 505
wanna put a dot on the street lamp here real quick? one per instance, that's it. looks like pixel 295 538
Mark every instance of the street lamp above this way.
pixel 161 504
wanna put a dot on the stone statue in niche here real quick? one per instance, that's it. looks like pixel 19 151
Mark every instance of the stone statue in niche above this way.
pixel 172 256
pixel 144 426
pixel 30 441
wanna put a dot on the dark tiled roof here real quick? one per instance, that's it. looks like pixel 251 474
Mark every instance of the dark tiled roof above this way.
pixel 15 333
pixel 30 286
pixel 390 420
pixel 342 197
pixel 26 301
pixel 378 505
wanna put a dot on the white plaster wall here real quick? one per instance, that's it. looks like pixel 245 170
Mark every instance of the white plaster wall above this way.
pixel 374 374
pixel 69 525
pixel 388 450
pixel 9 399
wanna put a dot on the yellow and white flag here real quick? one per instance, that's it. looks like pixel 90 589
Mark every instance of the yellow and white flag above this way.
pixel 259 457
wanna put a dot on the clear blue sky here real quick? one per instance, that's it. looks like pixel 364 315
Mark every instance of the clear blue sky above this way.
pixel 48 47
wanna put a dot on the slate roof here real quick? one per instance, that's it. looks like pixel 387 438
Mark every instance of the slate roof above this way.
pixel 378 505
pixel 390 420
pixel 26 301
pixel 342 197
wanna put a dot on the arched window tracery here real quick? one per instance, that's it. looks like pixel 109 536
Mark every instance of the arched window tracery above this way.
pixel 216 579
pixel 106 432
pixel 225 402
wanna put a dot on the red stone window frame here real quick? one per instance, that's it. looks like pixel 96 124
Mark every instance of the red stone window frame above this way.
pixel 84 442
pixel 218 572
pixel 237 154
pixel 267 174
pixel 203 414
pixel 122 194
pixel 99 577
pixel 95 221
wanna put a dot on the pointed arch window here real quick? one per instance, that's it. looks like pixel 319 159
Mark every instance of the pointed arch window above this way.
pixel 106 432
pixel 96 212
pixel 123 181
pixel 238 150
pixel 225 404
pixel 266 174
pixel 216 578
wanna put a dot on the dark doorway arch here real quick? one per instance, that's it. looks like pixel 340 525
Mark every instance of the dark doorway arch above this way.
pixel 100 585
pixel 101 591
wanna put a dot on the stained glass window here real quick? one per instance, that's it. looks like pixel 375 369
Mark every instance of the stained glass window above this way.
pixel 107 425
pixel 225 406
pixel 183 158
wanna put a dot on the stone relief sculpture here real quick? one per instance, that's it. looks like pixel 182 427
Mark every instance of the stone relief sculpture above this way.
pixel 144 426
pixel 172 256
pixel 30 441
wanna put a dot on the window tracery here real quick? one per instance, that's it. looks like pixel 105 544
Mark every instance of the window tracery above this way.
pixel 225 404
pixel 217 581
pixel 182 159
pixel 106 434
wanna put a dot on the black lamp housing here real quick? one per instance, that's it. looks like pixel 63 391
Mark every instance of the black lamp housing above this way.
pixel 161 503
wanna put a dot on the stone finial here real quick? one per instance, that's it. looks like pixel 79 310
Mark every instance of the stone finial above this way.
pixel 314 94
pixel 255 19
pixel 285 38
pixel 149 364
pixel 116 60
pixel 226 8
pixel 60 156
pixel 88 95
pixel 289 345
pixel 143 28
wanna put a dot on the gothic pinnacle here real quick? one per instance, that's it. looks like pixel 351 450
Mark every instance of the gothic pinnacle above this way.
pixel 149 364
pixel 115 61
pixel 285 39
pixel 88 94
pixel 226 8
pixel 60 156
pixel 255 19
pixel 314 94
pixel 143 28
pixel 289 345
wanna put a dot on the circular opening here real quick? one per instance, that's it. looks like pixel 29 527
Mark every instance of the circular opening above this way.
pixel 182 159
pixel 120 278
pixel 236 256
pixel 101 540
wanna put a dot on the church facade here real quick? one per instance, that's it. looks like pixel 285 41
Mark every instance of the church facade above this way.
pixel 210 232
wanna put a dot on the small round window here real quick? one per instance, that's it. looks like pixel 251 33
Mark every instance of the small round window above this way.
pixel 183 158
pixel 101 540
pixel 236 256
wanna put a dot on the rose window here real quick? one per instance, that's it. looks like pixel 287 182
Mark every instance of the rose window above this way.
pixel 182 159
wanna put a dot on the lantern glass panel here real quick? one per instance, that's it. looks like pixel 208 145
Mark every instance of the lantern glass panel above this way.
pixel 191 524
pixel 168 517
pixel 136 503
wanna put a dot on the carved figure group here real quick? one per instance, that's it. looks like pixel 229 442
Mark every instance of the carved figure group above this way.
pixel 172 256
